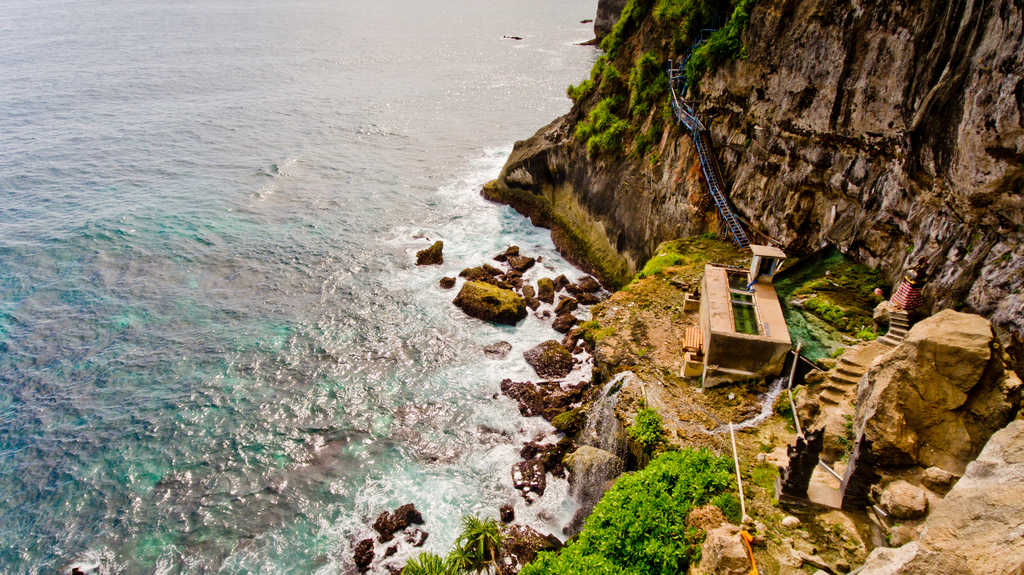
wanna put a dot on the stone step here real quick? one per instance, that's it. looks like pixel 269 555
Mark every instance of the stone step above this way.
pixel 889 341
pixel 827 399
pixel 842 378
pixel 897 330
pixel 850 370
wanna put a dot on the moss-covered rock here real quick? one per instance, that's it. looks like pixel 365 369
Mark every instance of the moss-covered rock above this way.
pixel 570 422
pixel 431 256
pixel 549 359
pixel 490 303
pixel 546 290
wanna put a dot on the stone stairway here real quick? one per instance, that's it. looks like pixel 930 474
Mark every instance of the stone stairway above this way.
pixel 899 324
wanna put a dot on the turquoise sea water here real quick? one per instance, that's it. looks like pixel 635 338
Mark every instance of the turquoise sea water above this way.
pixel 215 352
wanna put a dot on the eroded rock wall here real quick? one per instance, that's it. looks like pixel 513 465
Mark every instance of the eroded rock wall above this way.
pixel 892 130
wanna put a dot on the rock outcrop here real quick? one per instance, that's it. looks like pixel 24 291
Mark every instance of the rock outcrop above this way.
pixel 937 398
pixel 491 303
pixel 978 528
pixel 891 131
pixel 432 255
pixel 591 473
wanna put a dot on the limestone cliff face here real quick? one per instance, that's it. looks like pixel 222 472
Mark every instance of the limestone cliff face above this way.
pixel 892 130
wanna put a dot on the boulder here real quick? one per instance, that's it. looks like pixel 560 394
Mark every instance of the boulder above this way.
pixel 570 422
pixel 937 479
pixel 723 552
pixel 587 284
pixel 977 527
pixel 532 303
pixel 363 555
pixel 936 398
pixel 546 399
pixel 901 500
pixel 431 256
pixel 546 290
pixel 498 350
pixel 549 359
pixel 564 323
pixel 490 303
pixel 387 524
pixel 566 305
pixel 528 291
pixel 520 263
pixel 706 517
pixel 520 545
pixel 507 513
pixel 790 522
pixel 561 282
pixel 477 274
pixel 585 298
pixel 495 272
pixel 880 316
pixel 447 282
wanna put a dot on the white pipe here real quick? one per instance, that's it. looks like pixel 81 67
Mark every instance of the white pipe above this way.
pixel 830 470
pixel 789 390
pixel 739 480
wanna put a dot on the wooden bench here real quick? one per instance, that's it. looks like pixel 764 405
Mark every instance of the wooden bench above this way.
pixel 694 341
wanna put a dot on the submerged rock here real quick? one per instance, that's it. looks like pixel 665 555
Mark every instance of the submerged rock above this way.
pixel 549 359
pixel 530 478
pixel 490 303
pixel 498 350
pixel 447 282
pixel 566 305
pixel 431 256
pixel 507 513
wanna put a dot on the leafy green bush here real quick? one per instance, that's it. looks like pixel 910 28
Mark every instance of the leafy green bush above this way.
pixel 629 20
pixel 729 504
pixel 723 45
pixel 648 85
pixel 647 430
pixel 639 526
pixel 580 91
pixel 602 130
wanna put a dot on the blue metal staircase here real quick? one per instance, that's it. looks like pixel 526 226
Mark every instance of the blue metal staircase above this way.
pixel 686 115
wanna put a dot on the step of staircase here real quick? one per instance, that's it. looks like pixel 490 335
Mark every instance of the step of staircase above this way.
pixel 851 370
pixel 842 378
pixel 889 340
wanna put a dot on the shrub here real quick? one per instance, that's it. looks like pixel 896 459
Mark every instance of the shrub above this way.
pixel 430 564
pixel 639 526
pixel 725 44
pixel 581 90
pixel 730 506
pixel 602 130
pixel 648 85
pixel 647 429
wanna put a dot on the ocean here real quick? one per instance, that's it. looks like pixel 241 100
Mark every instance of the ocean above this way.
pixel 216 354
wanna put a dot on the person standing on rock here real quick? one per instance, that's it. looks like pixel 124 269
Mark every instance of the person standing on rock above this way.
pixel 908 296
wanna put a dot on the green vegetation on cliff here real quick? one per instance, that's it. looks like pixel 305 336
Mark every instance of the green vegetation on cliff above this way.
pixel 639 526
pixel 629 116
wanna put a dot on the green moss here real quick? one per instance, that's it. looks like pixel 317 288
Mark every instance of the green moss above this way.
pixel 730 506
pixel 491 303
pixel 686 257
pixel 764 476
pixel 570 422
pixel 593 333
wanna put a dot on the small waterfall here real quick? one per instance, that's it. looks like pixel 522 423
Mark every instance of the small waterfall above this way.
pixel 767 403
pixel 603 430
